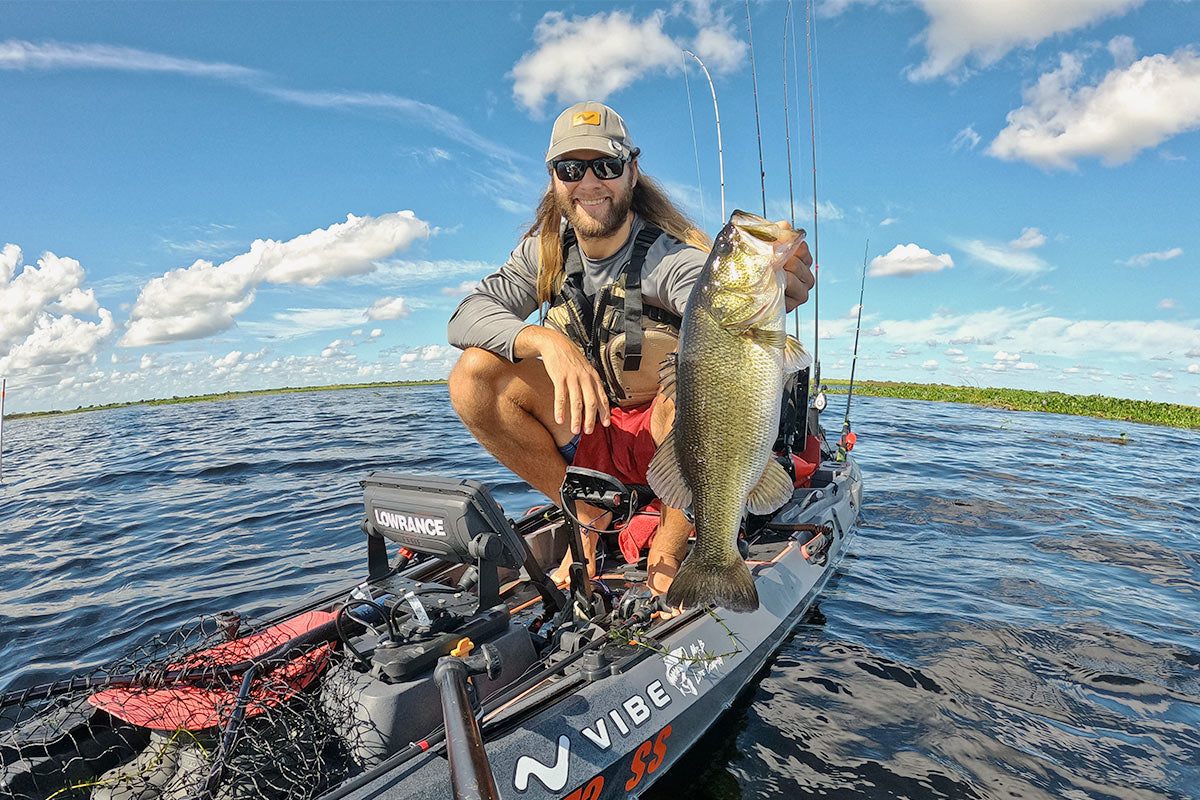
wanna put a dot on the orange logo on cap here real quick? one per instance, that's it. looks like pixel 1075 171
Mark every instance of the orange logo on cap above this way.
pixel 586 118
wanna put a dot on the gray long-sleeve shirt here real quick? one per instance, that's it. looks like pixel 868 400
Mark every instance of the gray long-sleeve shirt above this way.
pixel 496 311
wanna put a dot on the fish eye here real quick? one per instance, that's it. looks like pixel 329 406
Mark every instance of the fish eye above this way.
pixel 723 247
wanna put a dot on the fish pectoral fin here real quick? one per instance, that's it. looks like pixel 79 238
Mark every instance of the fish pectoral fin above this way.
pixel 795 356
pixel 765 338
pixel 666 478
pixel 774 489
pixel 666 375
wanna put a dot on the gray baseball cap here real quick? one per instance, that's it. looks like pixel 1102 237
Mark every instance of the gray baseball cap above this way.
pixel 590 126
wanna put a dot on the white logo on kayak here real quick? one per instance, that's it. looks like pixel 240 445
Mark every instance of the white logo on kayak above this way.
pixel 553 777
pixel 408 523
pixel 687 665
pixel 637 711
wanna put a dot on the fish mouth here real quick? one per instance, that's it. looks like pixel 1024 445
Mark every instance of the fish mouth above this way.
pixel 764 236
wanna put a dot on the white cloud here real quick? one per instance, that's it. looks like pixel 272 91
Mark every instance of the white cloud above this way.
pixel 908 259
pixel 1123 51
pixel 967 138
pixel 1131 109
pixel 1166 302
pixel 853 312
pixel 376 333
pixel 204 299
pixel 1004 256
pixel 1029 239
pixel 1163 376
pixel 888 221
pixel 581 58
pixel 987 30
pixel 399 273
pixel 1026 365
pixel 39 332
pixel 296 322
pixel 388 308
pixel 433 117
pixel 20 55
pixel 590 57
pixel 960 359
pixel 930 364
pixel 1030 330
pixel 954 351
pixel 1146 259
pixel 464 288
pixel 1193 369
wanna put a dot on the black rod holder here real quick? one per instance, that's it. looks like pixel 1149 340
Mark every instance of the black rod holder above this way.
pixel 470 773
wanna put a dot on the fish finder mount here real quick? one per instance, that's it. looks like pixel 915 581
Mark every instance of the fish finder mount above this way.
pixel 454 520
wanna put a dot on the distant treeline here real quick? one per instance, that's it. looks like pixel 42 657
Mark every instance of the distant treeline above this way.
pixel 199 398
pixel 1092 405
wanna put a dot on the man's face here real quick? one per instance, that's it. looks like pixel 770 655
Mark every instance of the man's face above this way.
pixel 595 208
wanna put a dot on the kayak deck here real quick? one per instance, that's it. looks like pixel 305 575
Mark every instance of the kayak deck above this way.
pixel 584 709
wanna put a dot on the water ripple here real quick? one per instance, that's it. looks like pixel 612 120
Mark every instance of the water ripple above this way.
pixel 1017 616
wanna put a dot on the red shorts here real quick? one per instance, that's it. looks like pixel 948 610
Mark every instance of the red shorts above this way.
pixel 623 449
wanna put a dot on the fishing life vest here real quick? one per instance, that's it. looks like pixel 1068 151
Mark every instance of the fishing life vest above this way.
pixel 624 340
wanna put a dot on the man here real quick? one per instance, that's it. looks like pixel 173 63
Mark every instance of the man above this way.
pixel 582 389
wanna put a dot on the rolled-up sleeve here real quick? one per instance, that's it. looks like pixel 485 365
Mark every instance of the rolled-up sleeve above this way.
pixel 494 313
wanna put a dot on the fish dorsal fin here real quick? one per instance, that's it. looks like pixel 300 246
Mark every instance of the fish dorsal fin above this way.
pixel 767 338
pixel 666 375
pixel 795 357
pixel 774 489
pixel 666 478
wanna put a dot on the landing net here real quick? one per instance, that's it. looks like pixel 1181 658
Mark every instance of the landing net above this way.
pixel 178 718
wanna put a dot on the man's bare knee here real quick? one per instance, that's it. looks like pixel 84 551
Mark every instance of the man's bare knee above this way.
pixel 473 381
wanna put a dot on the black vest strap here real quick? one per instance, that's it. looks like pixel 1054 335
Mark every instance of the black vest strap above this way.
pixel 586 314
pixel 646 237
pixel 579 305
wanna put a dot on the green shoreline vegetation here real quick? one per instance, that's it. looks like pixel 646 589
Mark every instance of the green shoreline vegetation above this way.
pixel 1115 408
pixel 1093 405
pixel 201 398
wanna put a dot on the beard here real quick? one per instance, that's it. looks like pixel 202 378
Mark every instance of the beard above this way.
pixel 588 227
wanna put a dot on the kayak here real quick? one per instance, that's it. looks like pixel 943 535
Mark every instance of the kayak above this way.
pixel 455 669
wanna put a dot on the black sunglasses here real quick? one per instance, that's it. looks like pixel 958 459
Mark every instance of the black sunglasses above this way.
pixel 570 170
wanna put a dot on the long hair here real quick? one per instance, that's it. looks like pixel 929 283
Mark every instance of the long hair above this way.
pixel 650 202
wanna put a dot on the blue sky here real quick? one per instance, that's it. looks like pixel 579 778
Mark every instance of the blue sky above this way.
pixel 207 197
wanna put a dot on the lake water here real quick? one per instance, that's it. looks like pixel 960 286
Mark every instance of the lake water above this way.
pixel 1017 616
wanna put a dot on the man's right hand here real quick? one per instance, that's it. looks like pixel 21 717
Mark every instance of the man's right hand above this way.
pixel 578 392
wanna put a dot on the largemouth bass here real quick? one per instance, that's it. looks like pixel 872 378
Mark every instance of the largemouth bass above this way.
pixel 728 383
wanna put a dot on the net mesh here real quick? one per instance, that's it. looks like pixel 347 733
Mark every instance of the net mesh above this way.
pixel 176 718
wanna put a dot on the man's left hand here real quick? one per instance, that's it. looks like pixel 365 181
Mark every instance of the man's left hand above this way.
pixel 800 278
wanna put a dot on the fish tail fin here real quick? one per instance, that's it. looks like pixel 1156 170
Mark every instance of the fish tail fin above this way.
pixel 727 584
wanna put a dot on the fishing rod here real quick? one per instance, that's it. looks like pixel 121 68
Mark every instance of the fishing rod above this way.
pixel 3 388
pixel 687 88
pixel 717 114
pixel 762 173
pixel 787 134
pixel 846 442
pixel 812 125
